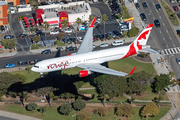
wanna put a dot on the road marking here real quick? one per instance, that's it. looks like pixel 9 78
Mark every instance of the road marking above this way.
pixel 160 32
pixel 153 4
pixel 175 50
pixel 163 24
pixel 150 11
pixel 160 17
pixel 166 31
pixel 171 51
pixel 163 39
pixel 170 38
pixel 153 18
pixel 174 45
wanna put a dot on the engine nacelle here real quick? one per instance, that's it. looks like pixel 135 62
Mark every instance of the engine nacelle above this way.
pixel 84 73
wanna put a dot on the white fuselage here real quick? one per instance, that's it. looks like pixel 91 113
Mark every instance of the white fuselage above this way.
pixel 71 61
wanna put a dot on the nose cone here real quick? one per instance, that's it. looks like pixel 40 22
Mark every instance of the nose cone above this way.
pixel 34 69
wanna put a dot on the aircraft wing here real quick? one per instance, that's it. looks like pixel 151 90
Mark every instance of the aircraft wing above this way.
pixel 102 69
pixel 87 43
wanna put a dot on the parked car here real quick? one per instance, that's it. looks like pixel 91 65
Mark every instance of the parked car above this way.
pixel 158 7
pixel 117 42
pixel 175 8
pixel 95 38
pixel 71 48
pixel 178 1
pixel 143 16
pixel 73 40
pixel 9 65
pixel 117 33
pixel 178 15
pixel 2 28
pixel 99 36
pixel 80 39
pixel 99 18
pixel 34 61
pixel 157 23
pixel 22 63
pixel 137 6
pixel 67 40
pixel 54 32
pixel 12 10
pixel 112 34
pixel 8 37
pixel 94 46
pixel 68 30
pixel 178 60
pixel 40 34
pixel 47 51
pixel 23 35
pixel 145 5
pixel 96 24
pixel 104 45
pixel 83 27
pixel 172 1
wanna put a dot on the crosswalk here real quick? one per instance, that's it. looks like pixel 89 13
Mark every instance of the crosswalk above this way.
pixel 170 51
pixel 111 22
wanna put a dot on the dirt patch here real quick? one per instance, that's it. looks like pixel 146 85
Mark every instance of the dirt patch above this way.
pixel 140 59
pixel 3 50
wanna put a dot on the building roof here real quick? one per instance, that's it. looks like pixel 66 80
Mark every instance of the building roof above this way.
pixel 39 12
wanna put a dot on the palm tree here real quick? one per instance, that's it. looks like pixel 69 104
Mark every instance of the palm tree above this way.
pixel 91 18
pixel 51 96
pixel 65 23
pixel 45 25
pixel 104 19
pixel 171 74
pixel 24 97
pixel 78 21
pixel 104 97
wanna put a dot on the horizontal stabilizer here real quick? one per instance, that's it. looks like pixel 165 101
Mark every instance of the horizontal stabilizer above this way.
pixel 148 50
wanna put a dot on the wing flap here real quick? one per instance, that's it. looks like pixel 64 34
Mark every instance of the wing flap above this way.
pixel 101 69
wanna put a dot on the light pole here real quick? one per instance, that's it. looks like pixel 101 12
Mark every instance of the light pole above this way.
pixel 74 115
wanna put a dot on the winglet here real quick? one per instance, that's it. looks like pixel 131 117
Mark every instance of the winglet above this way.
pixel 92 24
pixel 132 71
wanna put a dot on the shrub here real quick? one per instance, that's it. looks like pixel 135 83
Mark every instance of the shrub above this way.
pixel 31 106
pixel 133 32
pixel 84 116
pixel 33 46
pixel 118 16
pixel 34 29
pixel 101 111
pixel 59 43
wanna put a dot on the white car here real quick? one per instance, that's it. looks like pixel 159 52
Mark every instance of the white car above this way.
pixel 54 32
pixel 94 46
pixel 104 45
pixel 117 42
pixel 69 31
pixel 12 10
pixel 80 39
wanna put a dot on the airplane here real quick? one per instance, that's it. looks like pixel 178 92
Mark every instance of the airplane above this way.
pixel 90 61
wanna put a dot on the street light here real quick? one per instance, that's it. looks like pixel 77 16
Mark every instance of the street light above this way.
pixel 74 115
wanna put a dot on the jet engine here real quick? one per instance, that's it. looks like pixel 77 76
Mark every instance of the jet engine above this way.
pixel 84 73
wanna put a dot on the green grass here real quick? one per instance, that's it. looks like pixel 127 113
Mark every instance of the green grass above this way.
pixel 163 111
pixel 127 64
pixel 52 114
pixel 92 92
pixel 173 18
pixel 125 13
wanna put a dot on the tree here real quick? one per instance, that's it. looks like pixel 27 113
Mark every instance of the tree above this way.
pixel 24 97
pixel 28 68
pixel 174 82
pixel 51 96
pixel 42 110
pixel 161 81
pixel 171 74
pixel 79 104
pixel 113 86
pixel 8 43
pixel 133 32
pixel 7 82
pixel 143 55
pixel 36 38
pixel 104 97
pixel 101 111
pixel 157 100
pixel 104 19
pixel 91 17
pixel 124 110
pixel 31 106
pixel 151 109
pixel 78 21
pixel 60 36
pixel 45 25
pixel 65 23
pixel 65 109
pixel 84 116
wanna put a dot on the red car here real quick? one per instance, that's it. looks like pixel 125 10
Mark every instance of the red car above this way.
pixel 175 8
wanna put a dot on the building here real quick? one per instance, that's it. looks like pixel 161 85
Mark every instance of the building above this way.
pixel 3 13
pixel 54 14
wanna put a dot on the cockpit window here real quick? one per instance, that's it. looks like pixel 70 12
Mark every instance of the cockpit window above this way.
pixel 36 66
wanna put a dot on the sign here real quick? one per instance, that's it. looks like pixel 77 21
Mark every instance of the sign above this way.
pixel 63 18
pixel 129 19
